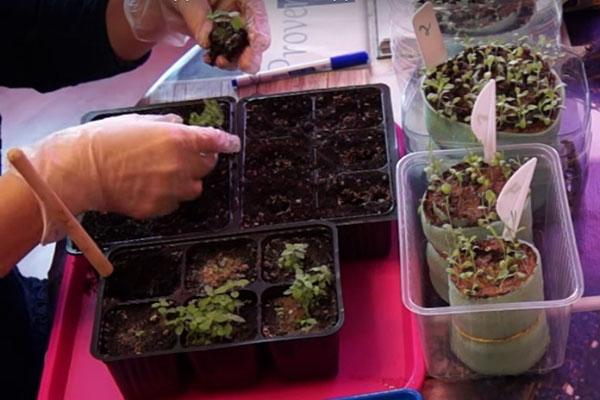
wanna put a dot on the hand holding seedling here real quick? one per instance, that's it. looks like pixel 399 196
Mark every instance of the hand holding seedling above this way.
pixel 138 165
pixel 172 21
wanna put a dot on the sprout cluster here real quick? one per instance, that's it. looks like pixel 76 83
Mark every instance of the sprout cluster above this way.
pixel 529 94
pixel 212 115
pixel 467 185
pixel 483 263
pixel 309 286
pixel 209 319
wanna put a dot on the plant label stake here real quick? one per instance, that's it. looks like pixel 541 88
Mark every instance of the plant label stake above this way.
pixel 429 36
pixel 483 120
pixel 511 200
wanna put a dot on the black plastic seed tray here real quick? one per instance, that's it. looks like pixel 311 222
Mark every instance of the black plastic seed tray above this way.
pixel 307 156
pixel 148 360
pixel 214 211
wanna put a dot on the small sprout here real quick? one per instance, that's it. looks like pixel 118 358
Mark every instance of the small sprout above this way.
pixel 139 333
pixel 307 324
pixel 446 188
pixel 293 255
pixel 309 287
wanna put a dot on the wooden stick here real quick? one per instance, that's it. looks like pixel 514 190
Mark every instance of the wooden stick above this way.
pixel 57 208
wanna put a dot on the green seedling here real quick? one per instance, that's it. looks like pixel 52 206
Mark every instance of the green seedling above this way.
pixel 212 115
pixel 293 255
pixel 528 92
pixel 209 319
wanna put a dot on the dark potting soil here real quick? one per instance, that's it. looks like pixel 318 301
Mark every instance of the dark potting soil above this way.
pixel 284 158
pixel 129 330
pixel 318 253
pixel 463 203
pixel 214 264
pixel 281 316
pixel 365 193
pixel 271 199
pixel 227 42
pixel 349 109
pixel 351 151
pixel 243 331
pixel 142 275
pixel 488 255
pixel 295 159
pixel 277 117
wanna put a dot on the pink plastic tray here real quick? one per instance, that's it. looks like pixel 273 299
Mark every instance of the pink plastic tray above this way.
pixel 379 348
pixel 378 342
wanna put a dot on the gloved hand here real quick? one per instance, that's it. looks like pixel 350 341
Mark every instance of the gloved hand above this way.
pixel 173 20
pixel 138 165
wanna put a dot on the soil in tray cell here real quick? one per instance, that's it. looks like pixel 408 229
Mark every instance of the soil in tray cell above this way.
pixel 277 117
pixel 349 109
pixel 318 253
pixel 215 263
pixel 351 150
pixel 285 158
pixel 241 331
pixel 144 274
pixel 209 212
pixel 134 329
pixel 270 201
pixel 365 193
pixel 284 316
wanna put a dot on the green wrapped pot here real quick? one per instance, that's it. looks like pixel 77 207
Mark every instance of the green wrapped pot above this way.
pixel 500 324
pixel 443 238
pixel 448 134
pixel 437 271
pixel 508 356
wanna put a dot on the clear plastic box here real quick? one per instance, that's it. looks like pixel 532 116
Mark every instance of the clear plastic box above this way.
pixel 573 137
pixel 554 238
pixel 531 18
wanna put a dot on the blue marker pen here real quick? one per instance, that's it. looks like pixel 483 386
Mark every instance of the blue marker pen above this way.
pixel 326 64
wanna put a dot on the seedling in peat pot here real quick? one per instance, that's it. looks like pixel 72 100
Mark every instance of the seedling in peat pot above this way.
pixel 228 37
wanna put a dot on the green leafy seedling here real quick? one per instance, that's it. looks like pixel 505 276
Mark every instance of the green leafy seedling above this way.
pixel 206 320
pixel 293 255
pixel 212 115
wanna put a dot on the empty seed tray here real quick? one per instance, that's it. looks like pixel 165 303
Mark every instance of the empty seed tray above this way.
pixel 148 355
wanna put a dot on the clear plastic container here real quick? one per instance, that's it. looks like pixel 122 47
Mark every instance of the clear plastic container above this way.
pixel 573 137
pixel 562 275
pixel 531 18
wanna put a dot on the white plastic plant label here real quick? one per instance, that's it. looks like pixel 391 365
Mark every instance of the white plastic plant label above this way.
pixel 429 36
pixel 511 200
pixel 483 120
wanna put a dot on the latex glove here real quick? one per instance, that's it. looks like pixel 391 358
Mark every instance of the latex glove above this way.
pixel 173 20
pixel 137 165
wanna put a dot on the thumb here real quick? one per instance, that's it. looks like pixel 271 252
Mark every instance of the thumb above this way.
pixel 210 140
pixel 195 14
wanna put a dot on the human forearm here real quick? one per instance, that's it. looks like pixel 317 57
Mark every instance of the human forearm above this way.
pixel 120 35
pixel 20 221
